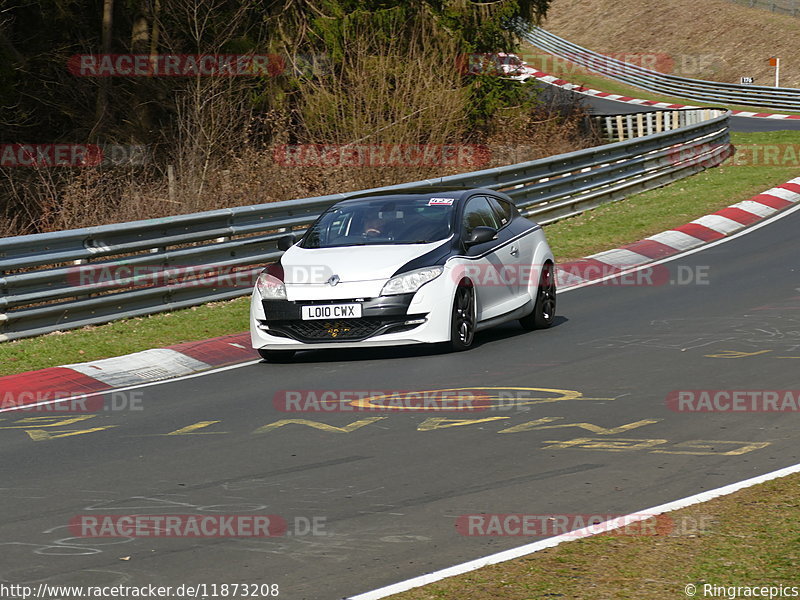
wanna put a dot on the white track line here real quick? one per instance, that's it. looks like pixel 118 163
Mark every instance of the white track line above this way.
pixel 527 549
pixel 27 407
pixel 667 259
pixel 750 229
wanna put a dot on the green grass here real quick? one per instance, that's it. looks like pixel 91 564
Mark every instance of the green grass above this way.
pixel 572 73
pixel 671 206
pixel 603 228
pixel 124 337
pixel 750 538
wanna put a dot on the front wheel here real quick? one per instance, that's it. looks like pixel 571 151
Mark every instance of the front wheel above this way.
pixel 462 322
pixel 276 356
pixel 544 310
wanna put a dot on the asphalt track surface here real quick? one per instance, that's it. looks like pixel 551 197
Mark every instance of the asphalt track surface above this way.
pixel 388 486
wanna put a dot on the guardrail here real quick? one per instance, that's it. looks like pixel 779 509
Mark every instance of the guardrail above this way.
pixel 672 85
pixel 626 127
pixel 80 277
pixel 784 7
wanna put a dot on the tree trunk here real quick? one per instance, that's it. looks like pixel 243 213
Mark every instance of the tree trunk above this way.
pixel 101 107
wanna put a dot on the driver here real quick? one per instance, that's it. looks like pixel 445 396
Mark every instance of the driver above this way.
pixel 381 224
pixel 373 227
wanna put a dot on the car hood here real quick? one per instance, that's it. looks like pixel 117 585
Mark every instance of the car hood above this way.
pixel 351 264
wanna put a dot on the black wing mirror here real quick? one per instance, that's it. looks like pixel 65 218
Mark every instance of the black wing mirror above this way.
pixel 480 235
pixel 286 242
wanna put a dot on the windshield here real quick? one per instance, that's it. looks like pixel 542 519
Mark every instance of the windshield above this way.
pixel 382 221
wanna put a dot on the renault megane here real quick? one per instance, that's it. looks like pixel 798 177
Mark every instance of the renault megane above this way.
pixel 409 268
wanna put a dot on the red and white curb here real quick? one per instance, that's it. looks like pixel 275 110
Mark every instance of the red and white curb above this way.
pixel 69 381
pixel 46 386
pixel 708 228
pixel 573 87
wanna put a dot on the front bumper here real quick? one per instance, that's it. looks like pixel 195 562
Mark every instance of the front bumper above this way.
pixel 418 318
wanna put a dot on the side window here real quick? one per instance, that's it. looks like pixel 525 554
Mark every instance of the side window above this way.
pixel 340 225
pixel 479 212
pixel 503 211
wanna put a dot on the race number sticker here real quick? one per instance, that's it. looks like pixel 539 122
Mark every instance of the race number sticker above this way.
pixel 441 202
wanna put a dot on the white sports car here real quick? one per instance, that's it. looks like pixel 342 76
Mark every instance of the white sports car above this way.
pixel 412 268
pixel 502 64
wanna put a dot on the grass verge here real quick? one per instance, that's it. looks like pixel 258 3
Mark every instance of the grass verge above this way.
pixel 554 65
pixel 603 228
pixel 749 538
pixel 125 336
pixel 671 206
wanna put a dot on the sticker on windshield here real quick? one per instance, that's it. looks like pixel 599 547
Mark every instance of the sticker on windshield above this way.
pixel 441 201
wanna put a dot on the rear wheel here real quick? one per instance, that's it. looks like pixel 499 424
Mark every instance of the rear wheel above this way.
pixel 462 322
pixel 276 356
pixel 544 310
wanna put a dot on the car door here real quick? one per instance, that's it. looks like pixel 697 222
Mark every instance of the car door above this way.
pixel 492 263
pixel 520 250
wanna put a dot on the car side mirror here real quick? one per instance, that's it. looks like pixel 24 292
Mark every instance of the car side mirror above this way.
pixel 286 242
pixel 480 235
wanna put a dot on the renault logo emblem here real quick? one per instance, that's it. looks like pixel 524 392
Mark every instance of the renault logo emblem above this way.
pixel 333 280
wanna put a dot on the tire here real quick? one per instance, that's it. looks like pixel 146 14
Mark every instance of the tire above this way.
pixel 277 356
pixel 544 310
pixel 462 320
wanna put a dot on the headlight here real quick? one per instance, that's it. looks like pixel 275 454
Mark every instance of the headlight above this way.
pixel 270 287
pixel 410 282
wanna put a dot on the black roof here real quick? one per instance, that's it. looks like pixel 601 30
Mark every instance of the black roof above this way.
pixel 457 193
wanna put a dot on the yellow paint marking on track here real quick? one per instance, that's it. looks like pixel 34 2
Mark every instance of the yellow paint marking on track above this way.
pixel 192 429
pixel 736 354
pixel 706 447
pixel 38 422
pixel 443 422
pixel 540 424
pixel 606 444
pixel 530 425
pixel 317 425
pixel 43 435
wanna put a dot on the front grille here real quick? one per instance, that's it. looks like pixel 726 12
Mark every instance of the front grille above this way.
pixel 339 329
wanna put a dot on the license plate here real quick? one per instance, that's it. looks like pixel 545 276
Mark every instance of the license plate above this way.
pixel 331 311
